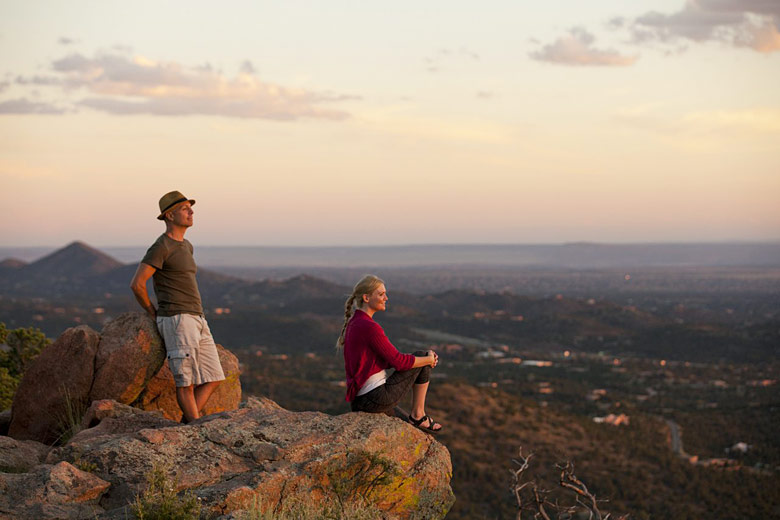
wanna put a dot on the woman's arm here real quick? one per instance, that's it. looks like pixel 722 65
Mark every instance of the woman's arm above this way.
pixel 379 343
pixel 431 359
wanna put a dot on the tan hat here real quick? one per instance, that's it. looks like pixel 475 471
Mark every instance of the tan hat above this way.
pixel 171 199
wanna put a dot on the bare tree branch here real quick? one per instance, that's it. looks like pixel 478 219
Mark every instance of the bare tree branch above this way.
pixel 570 481
pixel 532 498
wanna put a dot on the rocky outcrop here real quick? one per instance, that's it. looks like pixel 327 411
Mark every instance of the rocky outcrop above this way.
pixel 258 458
pixel 262 454
pixel 59 379
pixel 160 392
pixel 131 351
pixel 125 362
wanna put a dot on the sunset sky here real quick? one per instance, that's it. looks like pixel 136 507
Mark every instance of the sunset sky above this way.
pixel 348 123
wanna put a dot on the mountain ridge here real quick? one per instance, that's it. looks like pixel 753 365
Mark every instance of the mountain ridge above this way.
pixel 80 271
pixel 581 255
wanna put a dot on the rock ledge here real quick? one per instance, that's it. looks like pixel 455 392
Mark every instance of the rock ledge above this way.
pixel 259 453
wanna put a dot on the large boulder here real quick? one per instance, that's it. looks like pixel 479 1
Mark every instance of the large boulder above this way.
pixel 55 386
pixel 131 351
pixel 60 491
pixel 263 454
pixel 160 393
pixel 125 363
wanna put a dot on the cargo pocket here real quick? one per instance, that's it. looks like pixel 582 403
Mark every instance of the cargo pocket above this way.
pixel 180 362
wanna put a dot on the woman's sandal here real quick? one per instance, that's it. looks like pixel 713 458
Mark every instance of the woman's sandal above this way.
pixel 431 423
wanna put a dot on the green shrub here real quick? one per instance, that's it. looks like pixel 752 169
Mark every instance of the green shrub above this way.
pixel 24 345
pixel 8 385
pixel 85 465
pixel 160 500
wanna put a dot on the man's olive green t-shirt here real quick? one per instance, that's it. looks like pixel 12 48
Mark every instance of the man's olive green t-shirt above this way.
pixel 174 279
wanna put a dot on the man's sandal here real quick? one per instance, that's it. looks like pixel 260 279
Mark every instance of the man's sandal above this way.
pixel 431 424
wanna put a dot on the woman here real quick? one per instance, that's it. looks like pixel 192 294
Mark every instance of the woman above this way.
pixel 368 354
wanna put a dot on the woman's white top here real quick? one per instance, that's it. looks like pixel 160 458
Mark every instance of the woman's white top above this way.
pixel 374 381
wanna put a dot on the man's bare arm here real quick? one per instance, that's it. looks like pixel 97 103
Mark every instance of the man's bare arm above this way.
pixel 138 286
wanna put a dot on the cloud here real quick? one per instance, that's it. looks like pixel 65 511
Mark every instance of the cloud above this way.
pixel 4 85
pixel 64 40
pixel 765 7
pixel 742 23
pixel 23 106
pixel 434 62
pixel 119 83
pixel 248 68
pixel 38 80
pixel 576 48
pixel 278 108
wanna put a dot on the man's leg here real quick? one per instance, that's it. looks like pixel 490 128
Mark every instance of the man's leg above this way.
pixel 209 366
pixel 203 392
pixel 185 396
pixel 179 334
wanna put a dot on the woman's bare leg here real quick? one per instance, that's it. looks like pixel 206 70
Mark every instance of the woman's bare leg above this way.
pixel 419 391
pixel 418 400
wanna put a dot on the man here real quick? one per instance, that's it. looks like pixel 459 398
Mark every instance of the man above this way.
pixel 191 351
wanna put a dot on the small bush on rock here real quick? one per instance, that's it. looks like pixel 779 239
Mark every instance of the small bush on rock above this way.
pixel 160 501
pixel 84 465
pixel 69 418
pixel 359 477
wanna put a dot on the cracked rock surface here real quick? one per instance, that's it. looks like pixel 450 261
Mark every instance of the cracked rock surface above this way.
pixel 230 460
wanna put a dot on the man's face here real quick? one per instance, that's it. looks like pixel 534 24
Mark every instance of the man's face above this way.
pixel 182 215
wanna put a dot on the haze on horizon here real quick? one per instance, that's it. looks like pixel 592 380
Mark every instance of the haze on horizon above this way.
pixel 310 123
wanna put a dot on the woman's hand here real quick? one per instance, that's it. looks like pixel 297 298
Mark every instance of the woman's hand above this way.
pixel 424 359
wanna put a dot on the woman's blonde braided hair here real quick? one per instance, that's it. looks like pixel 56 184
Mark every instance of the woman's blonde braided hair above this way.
pixel 368 284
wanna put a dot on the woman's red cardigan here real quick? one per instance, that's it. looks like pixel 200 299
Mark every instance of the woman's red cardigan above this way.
pixel 367 351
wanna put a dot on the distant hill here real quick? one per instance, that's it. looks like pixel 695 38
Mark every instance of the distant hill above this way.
pixel 80 272
pixel 65 272
pixel 76 260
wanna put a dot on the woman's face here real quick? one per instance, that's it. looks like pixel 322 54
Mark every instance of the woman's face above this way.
pixel 376 300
